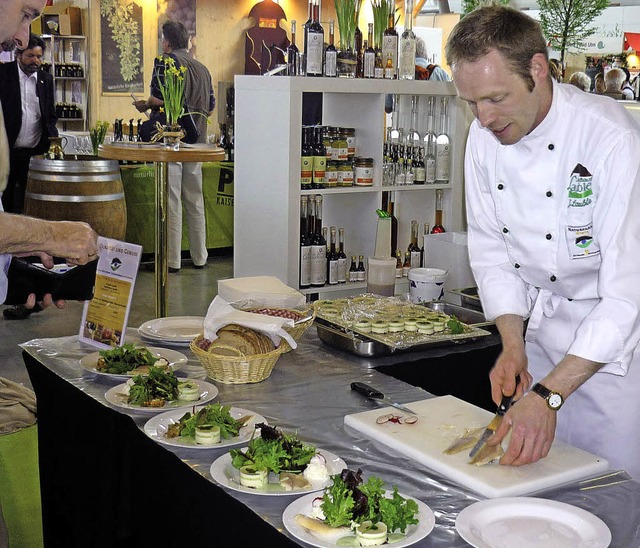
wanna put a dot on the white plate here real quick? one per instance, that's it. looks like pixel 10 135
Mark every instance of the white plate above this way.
pixel 156 428
pixel 223 472
pixel 116 396
pixel 174 330
pixel 529 522
pixel 426 523
pixel 173 357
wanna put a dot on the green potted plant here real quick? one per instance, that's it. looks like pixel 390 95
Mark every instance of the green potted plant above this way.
pixel 346 13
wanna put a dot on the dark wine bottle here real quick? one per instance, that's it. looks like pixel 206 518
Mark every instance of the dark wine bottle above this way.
pixel 305 245
pixel 333 258
pixel 318 247
pixel 292 53
pixel 314 46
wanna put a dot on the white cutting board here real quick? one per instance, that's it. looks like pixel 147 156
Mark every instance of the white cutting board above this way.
pixel 445 418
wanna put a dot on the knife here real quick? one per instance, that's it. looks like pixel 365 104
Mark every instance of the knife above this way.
pixel 491 428
pixel 370 392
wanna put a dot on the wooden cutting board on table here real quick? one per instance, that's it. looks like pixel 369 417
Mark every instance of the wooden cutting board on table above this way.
pixel 446 418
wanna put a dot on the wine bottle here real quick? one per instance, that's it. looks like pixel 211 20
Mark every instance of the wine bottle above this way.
pixel 407 46
pixel 406 266
pixel 333 258
pixel 318 247
pixel 362 275
pixel 419 172
pixel 353 270
pixel 398 264
pixel 302 66
pixel 429 143
pixel 314 46
pixel 342 258
pixel 390 43
pixel 443 145
pixel 305 245
pixel 331 55
pixel 292 53
pixel 319 159
pixel 422 251
pixel 306 160
pixel 369 56
pixel 413 249
pixel 438 228
pixel 388 206
pixel 378 70
pixel 357 44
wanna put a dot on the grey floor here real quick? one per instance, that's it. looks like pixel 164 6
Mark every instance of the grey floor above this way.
pixel 190 292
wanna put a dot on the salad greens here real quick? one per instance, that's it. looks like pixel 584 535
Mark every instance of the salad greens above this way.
pixel 123 359
pixel 154 389
pixel 274 451
pixel 349 500
pixel 455 325
pixel 214 414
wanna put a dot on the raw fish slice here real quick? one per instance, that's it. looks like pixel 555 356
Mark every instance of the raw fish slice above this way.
pixel 467 441
pixel 487 454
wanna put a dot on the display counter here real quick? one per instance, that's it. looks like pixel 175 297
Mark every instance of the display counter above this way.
pixel 106 483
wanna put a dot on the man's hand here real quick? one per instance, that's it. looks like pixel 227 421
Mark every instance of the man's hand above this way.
pixel 141 106
pixel 46 302
pixel 74 241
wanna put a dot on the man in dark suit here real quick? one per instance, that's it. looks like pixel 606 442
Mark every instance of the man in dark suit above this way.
pixel 27 96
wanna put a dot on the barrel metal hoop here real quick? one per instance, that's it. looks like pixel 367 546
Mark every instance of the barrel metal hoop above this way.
pixel 76 199
pixel 80 178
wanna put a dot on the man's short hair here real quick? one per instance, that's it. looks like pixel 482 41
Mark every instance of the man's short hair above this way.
pixel 514 35
pixel 176 34
pixel 581 80
pixel 613 79
pixel 34 42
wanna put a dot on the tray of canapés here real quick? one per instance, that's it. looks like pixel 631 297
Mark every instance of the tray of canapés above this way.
pixel 394 322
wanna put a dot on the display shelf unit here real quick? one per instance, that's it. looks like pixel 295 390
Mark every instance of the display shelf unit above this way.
pixel 267 172
pixel 65 53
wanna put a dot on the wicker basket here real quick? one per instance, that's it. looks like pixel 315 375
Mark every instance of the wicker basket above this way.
pixel 237 369
pixel 298 330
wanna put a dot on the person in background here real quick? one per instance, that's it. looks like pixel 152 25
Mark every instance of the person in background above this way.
pixel 613 80
pixel 555 70
pixel 28 101
pixel 627 89
pixel 185 178
pixel 598 84
pixel 581 80
pixel 567 267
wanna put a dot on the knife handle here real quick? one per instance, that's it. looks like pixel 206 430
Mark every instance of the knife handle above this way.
pixel 367 390
pixel 505 403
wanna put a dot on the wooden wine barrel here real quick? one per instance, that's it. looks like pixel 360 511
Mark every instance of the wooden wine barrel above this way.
pixel 88 189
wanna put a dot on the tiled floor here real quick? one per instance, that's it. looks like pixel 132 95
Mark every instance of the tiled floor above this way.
pixel 190 292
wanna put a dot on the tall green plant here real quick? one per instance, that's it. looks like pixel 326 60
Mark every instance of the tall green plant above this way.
pixel 566 23
pixel 380 10
pixel 346 15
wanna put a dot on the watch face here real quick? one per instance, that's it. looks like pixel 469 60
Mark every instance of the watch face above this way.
pixel 555 401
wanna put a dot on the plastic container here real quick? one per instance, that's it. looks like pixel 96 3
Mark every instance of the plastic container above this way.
pixel 381 276
pixel 426 284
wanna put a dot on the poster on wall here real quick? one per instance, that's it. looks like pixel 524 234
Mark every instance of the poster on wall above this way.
pixel 122 57
pixel 178 10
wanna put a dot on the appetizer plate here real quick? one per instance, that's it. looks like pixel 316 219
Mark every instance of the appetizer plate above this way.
pixel 223 472
pixel 156 428
pixel 174 358
pixel 529 522
pixel 176 330
pixel 117 397
pixel 302 505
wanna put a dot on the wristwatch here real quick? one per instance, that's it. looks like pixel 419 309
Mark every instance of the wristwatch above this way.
pixel 554 399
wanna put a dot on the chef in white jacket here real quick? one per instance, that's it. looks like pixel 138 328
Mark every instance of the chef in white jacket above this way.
pixel 552 179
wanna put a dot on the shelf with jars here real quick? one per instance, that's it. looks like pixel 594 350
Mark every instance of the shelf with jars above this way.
pixel 65 59
pixel 269 181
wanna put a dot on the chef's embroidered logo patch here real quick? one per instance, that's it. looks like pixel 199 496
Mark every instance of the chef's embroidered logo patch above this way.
pixel 581 242
pixel 580 191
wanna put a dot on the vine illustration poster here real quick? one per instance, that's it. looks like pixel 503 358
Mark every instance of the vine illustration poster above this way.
pixel 122 57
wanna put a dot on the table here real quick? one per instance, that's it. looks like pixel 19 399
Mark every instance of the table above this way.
pixel 161 156
pixel 105 483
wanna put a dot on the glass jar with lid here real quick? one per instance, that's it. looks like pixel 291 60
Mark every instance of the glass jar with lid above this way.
pixel 363 172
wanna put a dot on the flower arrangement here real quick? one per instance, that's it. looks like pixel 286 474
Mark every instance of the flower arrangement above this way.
pixel 97 134
pixel 346 13
pixel 172 89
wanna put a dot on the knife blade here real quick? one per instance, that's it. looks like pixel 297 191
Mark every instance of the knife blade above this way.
pixel 370 392
pixel 491 428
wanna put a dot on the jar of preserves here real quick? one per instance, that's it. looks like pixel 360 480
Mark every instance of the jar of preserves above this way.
pixel 349 135
pixel 345 173
pixel 363 172
pixel 332 174
pixel 340 146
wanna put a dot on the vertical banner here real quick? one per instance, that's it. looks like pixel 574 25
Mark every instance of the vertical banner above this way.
pixel 104 318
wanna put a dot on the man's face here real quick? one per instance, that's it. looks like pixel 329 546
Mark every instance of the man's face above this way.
pixel 30 60
pixel 500 99
pixel 15 18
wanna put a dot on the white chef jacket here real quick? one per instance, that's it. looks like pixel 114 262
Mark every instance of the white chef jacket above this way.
pixel 554 236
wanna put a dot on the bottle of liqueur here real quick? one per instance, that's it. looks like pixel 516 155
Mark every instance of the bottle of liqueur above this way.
pixel 333 259
pixel 388 206
pixel 362 275
pixel 319 159
pixel 378 70
pixel 342 258
pixel 318 247
pixel 292 53
pixel 419 171
pixel 359 50
pixel 353 270
pixel 443 145
pixel 369 55
pixel 305 245
pixel 390 43
pixel 406 266
pixel 306 160
pixel 429 143
pixel 325 235
pixel 302 66
pixel 407 46
pixel 438 228
pixel 398 264
pixel 414 249
pixel 331 55
pixel 422 263
pixel 314 46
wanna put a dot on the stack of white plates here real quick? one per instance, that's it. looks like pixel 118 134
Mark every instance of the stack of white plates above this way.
pixel 176 330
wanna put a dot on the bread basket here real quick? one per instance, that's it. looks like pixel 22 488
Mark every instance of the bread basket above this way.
pixel 237 368
pixel 298 329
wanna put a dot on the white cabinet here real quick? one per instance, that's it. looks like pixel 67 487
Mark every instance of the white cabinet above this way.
pixel 267 170
pixel 67 56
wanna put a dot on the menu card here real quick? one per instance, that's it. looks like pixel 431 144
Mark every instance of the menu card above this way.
pixel 105 317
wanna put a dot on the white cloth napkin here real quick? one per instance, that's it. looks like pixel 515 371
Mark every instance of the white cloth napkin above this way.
pixel 221 313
